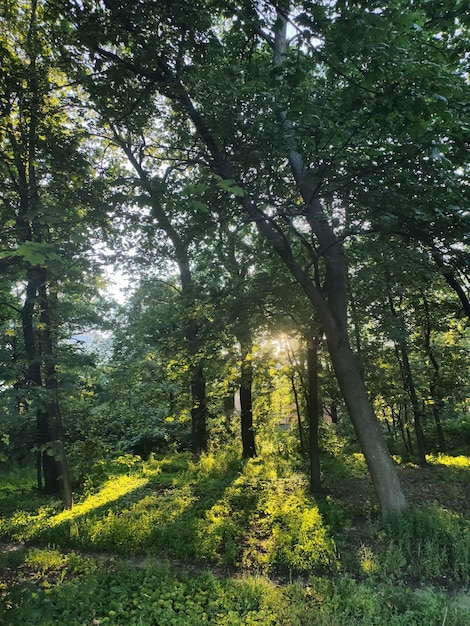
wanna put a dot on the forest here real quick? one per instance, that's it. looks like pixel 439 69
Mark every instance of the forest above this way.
pixel 234 312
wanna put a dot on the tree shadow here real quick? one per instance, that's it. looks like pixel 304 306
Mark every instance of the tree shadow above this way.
pixel 157 514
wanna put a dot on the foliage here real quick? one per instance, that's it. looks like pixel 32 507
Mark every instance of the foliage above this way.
pixel 46 591
pixel 128 594
pixel 254 515
pixel 207 147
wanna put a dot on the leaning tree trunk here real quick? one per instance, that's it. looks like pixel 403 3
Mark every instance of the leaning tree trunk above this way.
pixel 381 467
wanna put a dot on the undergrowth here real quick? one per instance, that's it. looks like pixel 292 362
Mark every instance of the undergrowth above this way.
pixel 254 517
pixel 89 593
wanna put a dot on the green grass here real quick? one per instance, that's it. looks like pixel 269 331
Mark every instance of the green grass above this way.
pixel 216 510
pixel 282 556
pixel 83 592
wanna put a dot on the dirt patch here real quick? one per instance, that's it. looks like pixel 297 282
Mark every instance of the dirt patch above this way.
pixel 423 485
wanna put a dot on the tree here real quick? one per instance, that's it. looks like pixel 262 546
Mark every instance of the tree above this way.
pixel 47 210
pixel 158 192
pixel 305 137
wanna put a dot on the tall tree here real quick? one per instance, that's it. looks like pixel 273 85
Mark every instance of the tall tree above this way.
pixel 45 204
pixel 300 131
pixel 158 193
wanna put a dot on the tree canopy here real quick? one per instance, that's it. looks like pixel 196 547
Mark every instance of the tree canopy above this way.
pixel 256 168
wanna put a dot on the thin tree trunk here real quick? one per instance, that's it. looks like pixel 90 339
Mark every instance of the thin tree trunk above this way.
pixel 401 351
pixel 298 413
pixel 198 410
pixel 437 412
pixel 246 402
pixel 334 413
pixel 313 417
pixel 408 381
pixel 438 402
pixel 399 422
pixel 229 407
pixel 295 393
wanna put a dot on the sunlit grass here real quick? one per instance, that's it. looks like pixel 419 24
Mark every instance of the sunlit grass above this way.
pixel 45 560
pixel 455 462
pixel 265 521
pixel 111 491
pixel 256 515
pixel 25 526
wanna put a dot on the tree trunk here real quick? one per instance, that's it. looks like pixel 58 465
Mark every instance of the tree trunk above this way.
pixel 298 413
pixel 47 469
pixel 381 467
pixel 411 390
pixel 246 403
pixel 334 412
pixel 398 421
pixel 408 433
pixel 438 402
pixel 54 414
pixel 296 369
pixel 198 410
pixel 401 350
pixel 228 403
pixel 313 417
pixel 437 412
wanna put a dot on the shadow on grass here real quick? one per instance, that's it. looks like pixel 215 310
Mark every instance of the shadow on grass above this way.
pixel 158 511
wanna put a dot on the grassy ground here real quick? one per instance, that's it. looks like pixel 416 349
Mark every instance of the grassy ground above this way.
pixel 171 541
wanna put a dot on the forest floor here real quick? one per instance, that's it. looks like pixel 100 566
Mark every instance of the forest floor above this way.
pixel 171 542
pixel 423 485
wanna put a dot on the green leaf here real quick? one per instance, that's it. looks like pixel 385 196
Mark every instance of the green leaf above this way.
pixel 228 185
pixel 36 253
pixel 199 206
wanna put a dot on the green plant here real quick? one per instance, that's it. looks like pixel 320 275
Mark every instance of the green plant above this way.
pixel 431 543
